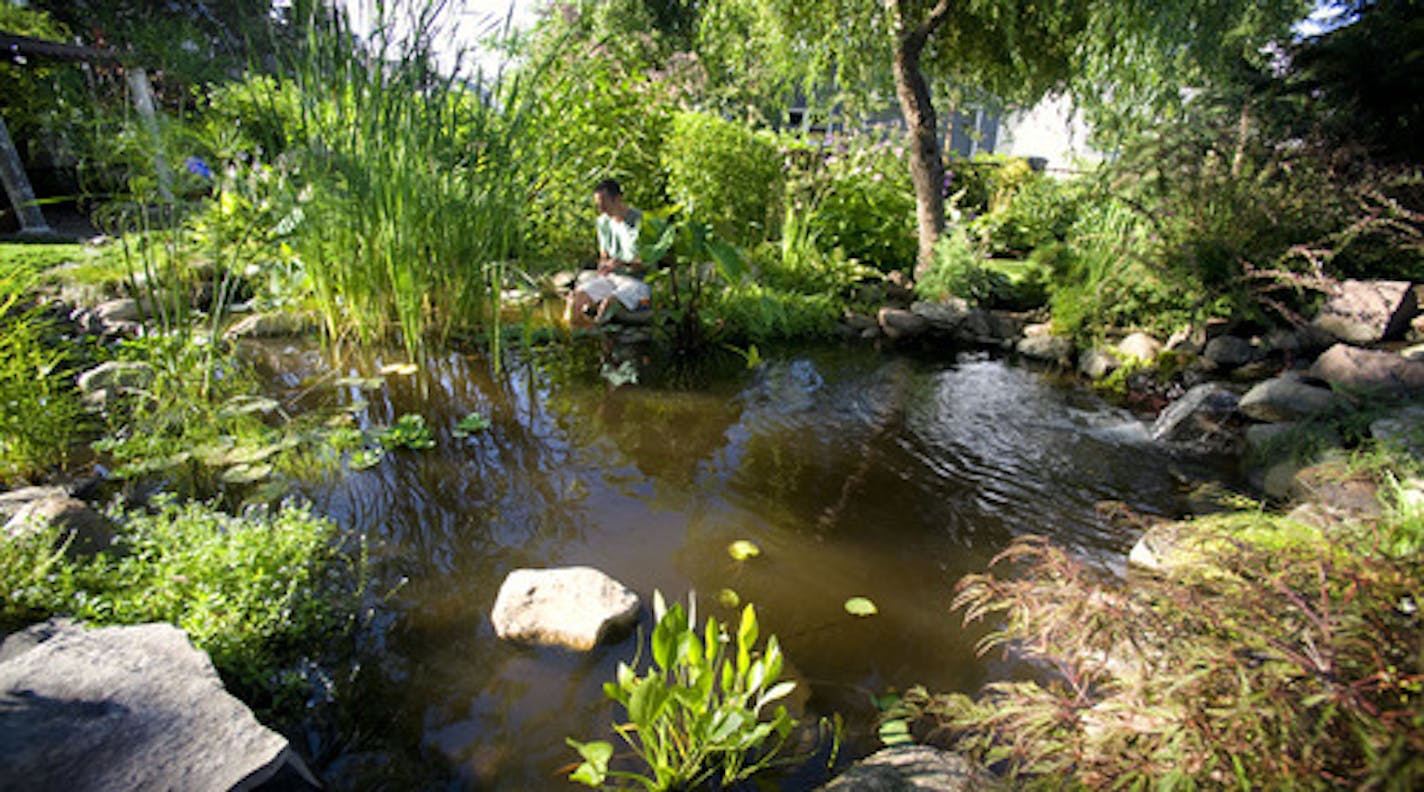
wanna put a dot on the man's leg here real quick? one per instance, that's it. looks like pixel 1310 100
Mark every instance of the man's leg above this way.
pixel 576 309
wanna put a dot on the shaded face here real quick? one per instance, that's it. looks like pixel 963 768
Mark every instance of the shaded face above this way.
pixel 604 201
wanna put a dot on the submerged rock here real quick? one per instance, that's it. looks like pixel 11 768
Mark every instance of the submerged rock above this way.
pixel 574 607
pixel 1365 312
pixel 910 768
pixel 123 708
pixel 1205 419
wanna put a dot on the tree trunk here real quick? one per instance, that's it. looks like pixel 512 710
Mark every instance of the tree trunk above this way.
pixel 926 167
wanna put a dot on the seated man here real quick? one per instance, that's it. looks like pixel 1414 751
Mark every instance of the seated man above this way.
pixel 619 286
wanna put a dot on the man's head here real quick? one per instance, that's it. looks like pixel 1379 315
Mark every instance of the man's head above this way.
pixel 607 195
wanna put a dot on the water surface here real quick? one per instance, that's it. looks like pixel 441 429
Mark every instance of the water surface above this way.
pixel 858 473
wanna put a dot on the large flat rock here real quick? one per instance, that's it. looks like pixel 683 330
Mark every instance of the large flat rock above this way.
pixel 1369 370
pixel 573 607
pixel 126 708
pixel 911 768
pixel 1364 312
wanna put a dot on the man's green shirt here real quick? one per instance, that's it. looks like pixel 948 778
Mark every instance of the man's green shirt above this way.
pixel 619 238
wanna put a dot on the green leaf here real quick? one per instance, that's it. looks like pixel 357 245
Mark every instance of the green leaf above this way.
pixel 649 698
pixel 895 732
pixel 596 755
pixel 728 598
pixel 861 606
pixel 742 549
pixel 474 422
pixel 246 474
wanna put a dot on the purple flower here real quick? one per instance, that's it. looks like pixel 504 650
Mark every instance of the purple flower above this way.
pixel 197 167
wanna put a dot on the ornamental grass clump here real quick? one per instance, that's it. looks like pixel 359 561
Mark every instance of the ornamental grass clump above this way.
pixel 1280 658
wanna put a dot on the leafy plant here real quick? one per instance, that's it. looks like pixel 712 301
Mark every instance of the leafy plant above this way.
pixel 471 424
pixel 697 713
pixel 259 593
pixel 1276 658
pixel 857 199
pixel 724 174
pixel 409 431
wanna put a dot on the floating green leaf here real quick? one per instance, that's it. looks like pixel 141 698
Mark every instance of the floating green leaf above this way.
pixel 361 383
pixel 728 598
pixel 474 422
pixel 365 458
pixel 409 431
pixel 742 549
pixel 860 606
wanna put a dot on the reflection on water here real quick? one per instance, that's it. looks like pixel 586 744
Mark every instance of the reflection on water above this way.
pixel 857 473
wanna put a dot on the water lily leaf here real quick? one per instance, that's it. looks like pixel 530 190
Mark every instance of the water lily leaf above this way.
pixel 895 732
pixel 860 606
pixel 366 458
pixel 399 369
pixel 742 549
pixel 246 474
pixel 728 598
pixel 361 383
pixel 474 422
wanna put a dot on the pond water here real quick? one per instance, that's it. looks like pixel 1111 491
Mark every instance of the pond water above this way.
pixel 857 472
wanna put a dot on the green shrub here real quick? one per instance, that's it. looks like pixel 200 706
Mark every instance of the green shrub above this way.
pixel 958 270
pixel 1040 211
pixel 259 593
pixel 724 174
pixel 696 713
pixel 860 201
pixel 759 313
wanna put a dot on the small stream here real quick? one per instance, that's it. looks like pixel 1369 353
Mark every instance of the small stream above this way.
pixel 857 472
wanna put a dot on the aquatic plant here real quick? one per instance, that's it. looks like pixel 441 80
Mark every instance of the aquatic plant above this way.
pixel 698 714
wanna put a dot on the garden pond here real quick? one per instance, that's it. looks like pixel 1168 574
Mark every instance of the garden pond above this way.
pixel 858 473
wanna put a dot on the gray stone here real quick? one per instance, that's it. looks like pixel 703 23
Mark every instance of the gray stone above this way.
pixel 124 708
pixel 898 323
pixel 1297 340
pixel 1139 346
pixel 575 607
pixel 1005 326
pixel 946 315
pixel 121 310
pixel 1416 329
pixel 1157 550
pixel 1285 399
pixel 1204 419
pixel 86 530
pixel 1259 437
pixel 1329 484
pixel 1403 429
pixel 1056 349
pixel 1415 352
pixel 1369 370
pixel 275 324
pixel 1191 340
pixel 859 322
pixel 1365 312
pixel 1097 363
pixel 12 501
pixel 911 768
pixel 116 376
pixel 1229 351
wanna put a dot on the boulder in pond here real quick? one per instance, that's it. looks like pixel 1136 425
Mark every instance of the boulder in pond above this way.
pixel 1140 347
pixel 1365 312
pixel 1051 348
pixel 1287 398
pixel 1097 363
pixel 574 607
pixel 911 768
pixel 122 708
pixel 944 316
pixel 1204 419
pixel 1369 370
pixel 898 323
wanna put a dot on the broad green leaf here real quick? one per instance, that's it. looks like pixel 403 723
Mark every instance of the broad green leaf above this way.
pixel 861 606
pixel 728 598
pixel 895 732
pixel 647 702
pixel 596 755
pixel 742 549
pixel 474 422
pixel 777 691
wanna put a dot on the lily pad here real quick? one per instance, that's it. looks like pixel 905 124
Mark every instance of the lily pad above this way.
pixel 474 422
pixel 742 549
pixel 399 369
pixel 860 606
pixel 366 458
pixel 728 598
